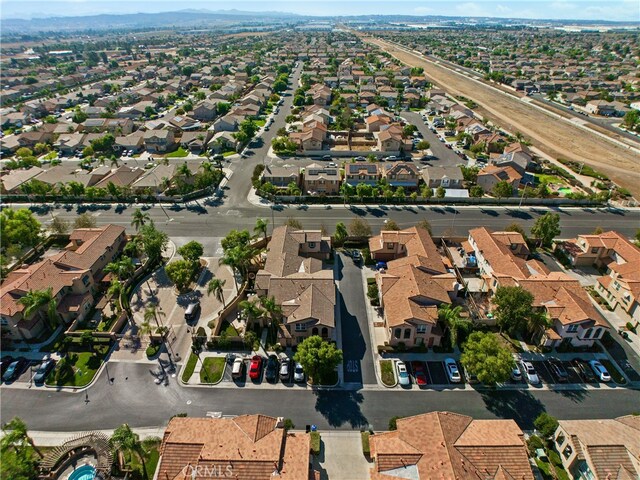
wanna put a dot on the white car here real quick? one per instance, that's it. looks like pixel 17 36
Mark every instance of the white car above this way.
pixel 530 373
pixel 451 367
pixel 298 373
pixel 516 374
pixel 403 374
pixel 600 371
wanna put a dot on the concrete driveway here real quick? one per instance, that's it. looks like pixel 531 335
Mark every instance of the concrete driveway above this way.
pixel 341 456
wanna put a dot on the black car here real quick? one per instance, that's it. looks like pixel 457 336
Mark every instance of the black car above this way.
pixel 583 369
pixel 558 370
pixel 357 256
pixel 15 369
pixel 43 370
pixel 4 364
pixel 271 370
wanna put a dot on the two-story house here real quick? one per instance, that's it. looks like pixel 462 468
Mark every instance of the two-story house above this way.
pixel 401 174
pixel 281 177
pixel 362 172
pixel 72 275
pixel 445 177
pixel 390 141
pixel 415 283
pixel 600 449
pixel 321 179
pixel 295 276
pixel 159 141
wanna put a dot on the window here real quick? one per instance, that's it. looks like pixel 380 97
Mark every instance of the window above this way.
pixel 560 439
pixel 567 451
pixel 616 285
pixel 312 244
pixel 598 332
pixel 397 333
pixel 594 250
pixel 301 327
pixel 421 329
pixel 572 329
pixel 389 246
pixel 85 280
pixel 407 333
pixel 587 333
pixel 514 246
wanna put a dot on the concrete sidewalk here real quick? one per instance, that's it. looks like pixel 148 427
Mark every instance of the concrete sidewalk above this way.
pixel 52 439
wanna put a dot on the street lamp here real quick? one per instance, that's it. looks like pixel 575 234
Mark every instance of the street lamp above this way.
pixel 524 190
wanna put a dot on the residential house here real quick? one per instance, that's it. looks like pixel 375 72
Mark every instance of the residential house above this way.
pixel 600 449
pixel 374 122
pixel 281 177
pixel 222 142
pixel 390 141
pixel 68 143
pixel 321 180
pixel 415 283
pixel 362 172
pixel 445 177
pixel 228 123
pixel 13 180
pixel 401 174
pixel 204 111
pixel 246 447
pixel 600 107
pixel 123 176
pixel 295 276
pixel 311 138
pixel 620 286
pixel 155 180
pixel 182 122
pixel 195 141
pixel 448 445
pixel 491 175
pixel 73 276
pixel 133 142
pixel 159 141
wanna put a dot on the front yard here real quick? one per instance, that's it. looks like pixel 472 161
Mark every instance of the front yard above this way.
pixel 76 369
pixel 179 153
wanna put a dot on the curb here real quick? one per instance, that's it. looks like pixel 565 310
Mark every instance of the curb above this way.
pixel 395 377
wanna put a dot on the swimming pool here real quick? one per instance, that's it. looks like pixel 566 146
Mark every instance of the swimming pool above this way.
pixel 564 190
pixel 85 472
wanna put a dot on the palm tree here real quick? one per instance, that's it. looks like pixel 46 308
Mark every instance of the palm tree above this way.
pixel 34 300
pixel 126 440
pixel 122 268
pixel 261 228
pixel 453 321
pixel 139 219
pixel 114 162
pixel 154 312
pixel 272 309
pixel 239 259
pixel 215 286
pixel 16 434
pixel 250 310
pixel 145 328
pixel 184 171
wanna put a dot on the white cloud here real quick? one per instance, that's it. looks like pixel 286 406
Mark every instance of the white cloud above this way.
pixel 423 10
pixel 471 9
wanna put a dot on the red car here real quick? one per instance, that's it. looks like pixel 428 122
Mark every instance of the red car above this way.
pixel 255 370
pixel 419 373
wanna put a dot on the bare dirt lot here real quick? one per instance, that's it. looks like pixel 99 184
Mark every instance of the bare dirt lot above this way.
pixel 552 135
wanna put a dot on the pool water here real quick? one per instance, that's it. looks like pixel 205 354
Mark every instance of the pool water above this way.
pixel 85 472
pixel 565 190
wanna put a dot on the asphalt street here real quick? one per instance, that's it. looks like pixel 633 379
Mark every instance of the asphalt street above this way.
pixel 445 157
pixel 356 342
pixel 139 402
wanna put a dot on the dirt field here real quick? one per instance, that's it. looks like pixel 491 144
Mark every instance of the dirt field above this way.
pixel 551 135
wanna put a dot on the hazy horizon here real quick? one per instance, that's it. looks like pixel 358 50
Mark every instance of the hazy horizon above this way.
pixel 590 10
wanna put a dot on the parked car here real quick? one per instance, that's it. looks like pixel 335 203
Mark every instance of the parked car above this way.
pixel 333 164
pixel 452 370
pixel 326 157
pixel 584 370
pixel 298 373
pixel 192 310
pixel 403 374
pixel 237 369
pixel 255 369
pixel 558 370
pixel 360 159
pixel 43 370
pixel 285 369
pixel 391 158
pixel 15 369
pixel 4 364
pixel 357 256
pixel 381 265
pixel 419 373
pixel 271 370
pixel 601 372
pixel 516 374
pixel 530 373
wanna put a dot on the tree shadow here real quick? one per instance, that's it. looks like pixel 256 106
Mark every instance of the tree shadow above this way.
pixel 576 395
pixel 340 407
pixel 518 405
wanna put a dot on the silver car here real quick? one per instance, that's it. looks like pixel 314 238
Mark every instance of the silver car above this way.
pixel 298 373
pixel 403 374
pixel 530 373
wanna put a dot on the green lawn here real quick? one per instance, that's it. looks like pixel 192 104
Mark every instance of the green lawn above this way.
pixel 229 329
pixel 613 371
pixel 547 178
pixel 315 442
pixel 84 366
pixel 179 153
pixel 386 371
pixel 261 122
pixel 189 368
pixel 212 370
pixel 229 153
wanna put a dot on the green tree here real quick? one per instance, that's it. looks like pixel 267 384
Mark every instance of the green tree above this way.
pixel 125 440
pixel 223 108
pixel 341 234
pixel 122 268
pixel 250 310
pixel 153 242
pixel 359 228
pixel 139 219
pixel 545 424
pixel 34 300
pixel 451 317
pixel 216 286
pixel 59 226
pixel 425 225
pixel 440 192
pixel 180 273
pixel 546 228
pixel 191 252
pixel 261 228
pixel 484 357
pixel 23 152
pixel 293 223
pixel 391 225
pixel 423 145
pixel 318 358
pixel 85 220
pixel 502 189
pixel 19 227
pixel 476 191
pixel 79 116
pixel 236 238
pixel 17 451
pixel 514 308
pixel 272 309
pixel 154 312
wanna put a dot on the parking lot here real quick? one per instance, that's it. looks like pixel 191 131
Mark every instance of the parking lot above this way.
pixel 25 375
pixel 243 379
pixel 435 374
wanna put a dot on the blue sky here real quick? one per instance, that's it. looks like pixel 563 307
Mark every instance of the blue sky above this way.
pixel 620 10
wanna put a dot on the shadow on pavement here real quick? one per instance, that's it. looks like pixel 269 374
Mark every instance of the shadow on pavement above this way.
pixel 340 407
pixel 518 405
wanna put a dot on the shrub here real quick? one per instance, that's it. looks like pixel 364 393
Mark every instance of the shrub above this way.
pixel 533 443
pixel 315 443
pixel 393 422
pixel 288 424
pixel 554 458
pixel 153 349
pixel 366 448
pixel 546 424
